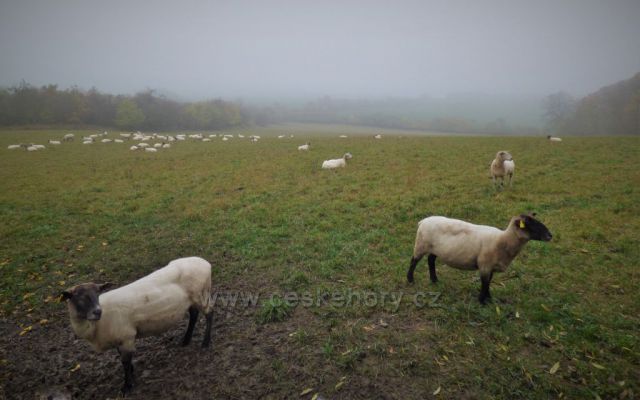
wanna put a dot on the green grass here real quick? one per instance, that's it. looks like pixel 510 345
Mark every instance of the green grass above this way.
pixel 268 216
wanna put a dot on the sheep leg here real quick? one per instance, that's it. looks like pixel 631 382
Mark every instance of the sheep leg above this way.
pixel 432 268
pixel 207 329
pixel 484 290
pixel 129 382
pixel 412 267
pixel 193 317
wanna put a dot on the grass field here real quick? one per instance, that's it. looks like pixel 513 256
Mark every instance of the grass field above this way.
pixel 565 317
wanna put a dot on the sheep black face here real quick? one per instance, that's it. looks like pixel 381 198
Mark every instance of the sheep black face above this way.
pixel 84 300
pixel 535 229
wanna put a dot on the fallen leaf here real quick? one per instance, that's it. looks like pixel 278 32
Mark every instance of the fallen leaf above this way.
pixel 315 396
pixel 383 324
pixel 26 296
pixel 598 365
pixel 369 328
pixel 339 385
pixel 555 368
pixel 104 243
pixel 547 309
pixel 498 310
pixel 26 330
pixel 437 391
pixel 44 321
pixel 517 314
pixel 74 369
pixel 306 391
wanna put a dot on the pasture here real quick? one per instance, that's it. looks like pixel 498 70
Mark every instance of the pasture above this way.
pixel 564 320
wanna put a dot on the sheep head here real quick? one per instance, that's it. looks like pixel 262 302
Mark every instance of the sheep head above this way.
pixel 83 300
pixel 528 227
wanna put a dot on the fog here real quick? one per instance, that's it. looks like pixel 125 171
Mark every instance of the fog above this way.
pixel 298 49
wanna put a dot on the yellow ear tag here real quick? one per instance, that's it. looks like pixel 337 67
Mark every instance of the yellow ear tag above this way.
pixel 521 224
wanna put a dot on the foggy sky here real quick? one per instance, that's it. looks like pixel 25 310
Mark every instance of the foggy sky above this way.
pixel 300 48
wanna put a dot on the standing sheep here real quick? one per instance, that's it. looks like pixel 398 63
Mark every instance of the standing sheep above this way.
pixel 304 147
pixel 503 165
pixel 338 162
pixel 554 139
pixel 149 306
pixel 466 246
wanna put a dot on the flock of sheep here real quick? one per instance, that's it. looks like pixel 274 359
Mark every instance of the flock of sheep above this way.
pixel 159 301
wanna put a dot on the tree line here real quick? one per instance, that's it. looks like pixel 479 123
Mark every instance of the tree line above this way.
pixel 612 110
pixel 25 104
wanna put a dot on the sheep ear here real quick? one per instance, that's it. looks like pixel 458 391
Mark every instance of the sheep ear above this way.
pixel 104 286
pixel 65 295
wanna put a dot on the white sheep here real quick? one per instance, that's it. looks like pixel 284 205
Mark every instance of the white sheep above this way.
pixel 151 149
pixel 54 142
pixel 343 136
pixel 338 162
pixel 87 142
pixel 280 136
pixel 118 141
pixel 125 135
pixel 240 136
pixel 554 139
pixel 224 139
pixel 13 146
pixel 466 246
pixel 378 136
pixel 166 145
pixel 502 166
pixel 304 147
pixel 133 148
pixel 143 144
pixel 149 306
pixel 106 140
pixel 69 137
pixel 157 145
pixel 206 140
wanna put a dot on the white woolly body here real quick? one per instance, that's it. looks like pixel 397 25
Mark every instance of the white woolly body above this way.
pixel 467 246
pixel 337 163
pixel 149 306
pixel 509 167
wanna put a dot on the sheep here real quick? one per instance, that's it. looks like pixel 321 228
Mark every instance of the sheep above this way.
pixel 133 148
pixel 143 144
pixel 280 136
pixel 213 136
pixel 166 145
pixel 343 136
pixel 554 139
pixel 253 139
pixel 125 135
pixel 378 136
pixel 466 246
pixel 87 142
pixel 157 145
pixel 106 140
pixel 239 136
pixel 147 307
pixel 503 165
pixel 118 141
pixel 337 163
pixel 13 146
pixel 151 149
pixel 304 147
pixel 224 139
pixel 54 142
pixel 69 137
pixel 206 140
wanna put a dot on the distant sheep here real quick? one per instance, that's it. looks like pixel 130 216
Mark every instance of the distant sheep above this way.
pixel 337 163
pixel 54 142
pixel 343 136
pixel 553 138
pixel 147 307
pixel 502 166
pixel 304 147
pixel 13 146
pixel 378 136
pixel 466 246
pixel 151 149
pixel 69 137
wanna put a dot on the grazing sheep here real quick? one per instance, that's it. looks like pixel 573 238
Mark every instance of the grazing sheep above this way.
pixel 147 307
pixel 253 139
pixel 554 139
pixel 54 142
pixel 240 136
pixel 87 142
pixel 378 136
pixel 118 141
pixel 125 135
pixel 166 145
pixel 343 136
pixel 466 246
pixel 13 146
pixel 224 139
pixel 280 136
pixel 206 140
pixel 143 144
pixel 151 149
pixel 304 147
pixel 134 148
pixel 157 145
pixel 337 163
pixel 503 165
pixel 106 140
pixel 69 137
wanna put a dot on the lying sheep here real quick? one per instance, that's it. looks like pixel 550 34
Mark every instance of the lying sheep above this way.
pixel 304 147
pixel 69 137
pixel 149 306
pixel 503 165
pixel 151 149
pixel 54 142
pixel 13 146
pixel 466 246
pixel 338 162
pixel 554 139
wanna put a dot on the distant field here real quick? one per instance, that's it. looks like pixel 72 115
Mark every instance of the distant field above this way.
pixel 564 321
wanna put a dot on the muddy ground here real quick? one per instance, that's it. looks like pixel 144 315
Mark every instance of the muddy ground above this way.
pixel 247 360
